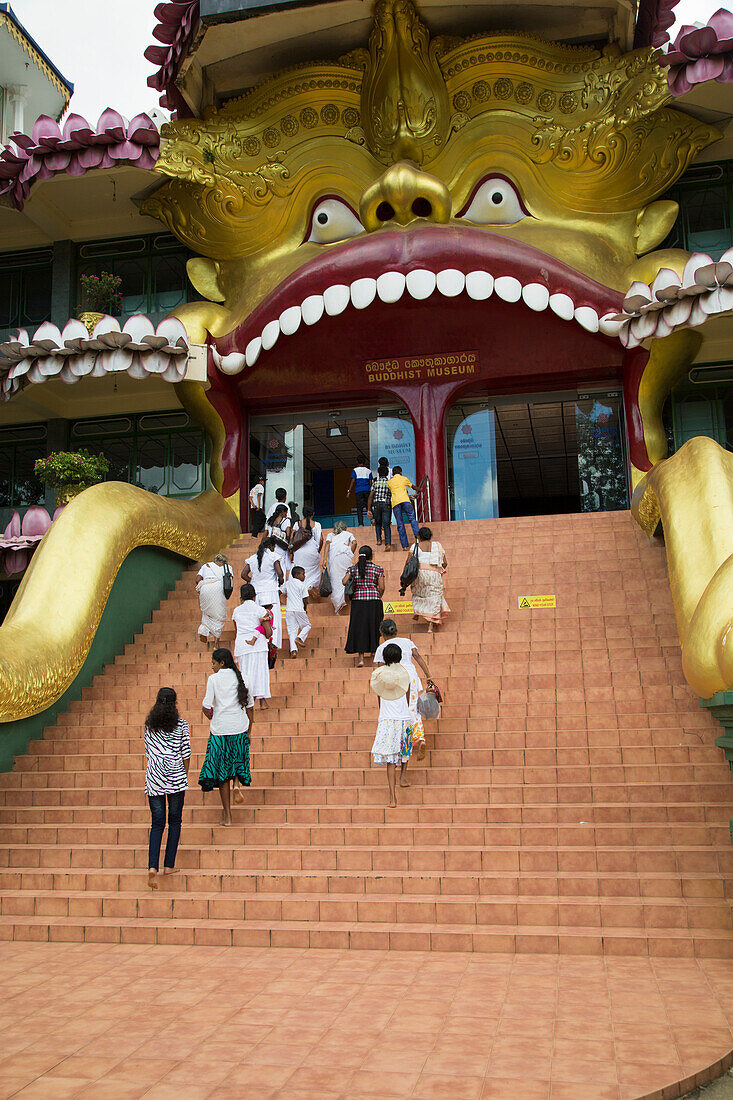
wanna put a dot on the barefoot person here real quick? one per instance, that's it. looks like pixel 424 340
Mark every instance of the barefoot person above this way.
pixel 367 610
pixel 228 704
pixel 410 656
pixel 338 555
pixel 253 625
pixel 213 602
pixel 393 740
pixel 296 615
pixel 168 749
pixel 428 601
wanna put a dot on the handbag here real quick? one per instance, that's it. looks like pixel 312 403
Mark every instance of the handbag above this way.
pixel 300 538
pixel 428 703
pixel 227 582
pixel 325 588
pixel 350 586
pixel 411 570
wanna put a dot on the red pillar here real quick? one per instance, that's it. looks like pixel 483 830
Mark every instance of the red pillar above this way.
pixel 428 405
pixel 244 485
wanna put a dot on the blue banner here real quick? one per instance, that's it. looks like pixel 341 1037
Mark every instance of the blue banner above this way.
pixel 473 454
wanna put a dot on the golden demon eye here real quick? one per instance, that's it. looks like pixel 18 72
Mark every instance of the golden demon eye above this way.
pixel 333 220
pixel 496 201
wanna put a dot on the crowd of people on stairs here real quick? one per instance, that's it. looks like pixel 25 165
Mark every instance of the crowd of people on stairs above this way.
pixel 295 564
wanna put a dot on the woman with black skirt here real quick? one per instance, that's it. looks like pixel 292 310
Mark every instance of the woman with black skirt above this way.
pixel 367 611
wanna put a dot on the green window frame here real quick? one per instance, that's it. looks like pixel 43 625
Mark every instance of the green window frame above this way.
pixel 19 448
pixel 163 452
pixel 25 289
pixel 705 221
pixel 152 269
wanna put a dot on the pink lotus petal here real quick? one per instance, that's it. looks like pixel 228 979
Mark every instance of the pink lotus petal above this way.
pixel 45 127
pixel 111 126
pixel 14 527
pixel 15 561
pixel 36 521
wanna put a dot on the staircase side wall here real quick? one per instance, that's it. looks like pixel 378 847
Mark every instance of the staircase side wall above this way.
pixel 144 579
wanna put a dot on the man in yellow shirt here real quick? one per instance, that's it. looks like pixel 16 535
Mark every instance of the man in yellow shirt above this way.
pixel 401 505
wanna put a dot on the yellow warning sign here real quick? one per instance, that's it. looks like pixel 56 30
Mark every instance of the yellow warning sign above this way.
pixel 536 601
pixel 398 607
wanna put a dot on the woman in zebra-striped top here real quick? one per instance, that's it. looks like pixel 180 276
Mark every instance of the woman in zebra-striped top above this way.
pixel 168 749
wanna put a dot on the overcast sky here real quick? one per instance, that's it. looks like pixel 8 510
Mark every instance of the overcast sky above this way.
pixel 99 47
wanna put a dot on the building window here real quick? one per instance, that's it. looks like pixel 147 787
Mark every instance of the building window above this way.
pixel 25 290
pixel 152 269
pixel 19 449
pixel 705 197
pixel 163 452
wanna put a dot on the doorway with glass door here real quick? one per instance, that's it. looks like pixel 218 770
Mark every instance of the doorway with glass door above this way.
pixel 526 455
pixel 311 455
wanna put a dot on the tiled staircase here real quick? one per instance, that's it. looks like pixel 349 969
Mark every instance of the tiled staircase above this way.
pixel 572 798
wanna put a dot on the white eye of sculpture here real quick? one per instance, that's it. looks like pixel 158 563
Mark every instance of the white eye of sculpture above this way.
pixel 496 202
pixel 331 221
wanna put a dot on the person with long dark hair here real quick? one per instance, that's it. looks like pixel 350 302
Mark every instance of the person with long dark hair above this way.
pixel 307 544
pixel 168 749
pixel 252 622
pixel 228 705
pixel 264 571
pixel 367 609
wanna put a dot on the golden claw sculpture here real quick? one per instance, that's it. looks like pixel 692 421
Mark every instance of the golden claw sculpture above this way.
pixel 692 494
pixel 47 633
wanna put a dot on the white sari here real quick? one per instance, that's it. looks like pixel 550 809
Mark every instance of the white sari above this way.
pixel 213 602
pixel 340 556
pixel 309 558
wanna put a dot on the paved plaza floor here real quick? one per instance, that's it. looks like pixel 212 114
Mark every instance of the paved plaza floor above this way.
pixel 118 1022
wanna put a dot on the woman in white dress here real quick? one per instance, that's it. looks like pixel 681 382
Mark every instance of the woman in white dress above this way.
pixel 338 553
pixel 279 527
pixel 213 602
pixel 250 645
pixel 264 571
pixel 410 655
pixel 308 552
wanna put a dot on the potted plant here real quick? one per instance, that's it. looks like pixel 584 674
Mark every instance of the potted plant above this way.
pixel 101 294
pixel 69 472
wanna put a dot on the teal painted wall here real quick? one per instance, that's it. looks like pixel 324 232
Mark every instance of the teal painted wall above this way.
pixel 144 579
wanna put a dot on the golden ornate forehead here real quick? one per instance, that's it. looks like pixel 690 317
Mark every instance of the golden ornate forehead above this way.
pixel 600 116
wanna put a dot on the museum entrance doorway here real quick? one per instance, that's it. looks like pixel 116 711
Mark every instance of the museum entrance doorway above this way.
pixel 311 455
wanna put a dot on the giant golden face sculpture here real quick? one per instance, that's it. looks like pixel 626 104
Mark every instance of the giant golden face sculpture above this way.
pixel 533 166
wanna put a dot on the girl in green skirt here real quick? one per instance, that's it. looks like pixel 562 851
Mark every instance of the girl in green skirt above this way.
pixel 228 704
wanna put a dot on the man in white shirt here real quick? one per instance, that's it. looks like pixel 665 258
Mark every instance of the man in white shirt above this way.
pixel 296 617
pixel 258 519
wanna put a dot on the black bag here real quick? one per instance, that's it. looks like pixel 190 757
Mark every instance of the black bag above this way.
pixel 411 570
pixel 227 582
pixel 326 588
pixel 350 586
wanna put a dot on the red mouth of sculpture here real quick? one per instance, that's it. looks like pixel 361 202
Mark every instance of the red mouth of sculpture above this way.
pixel 420 265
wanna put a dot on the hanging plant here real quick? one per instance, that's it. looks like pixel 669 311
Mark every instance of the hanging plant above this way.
pixel 101 293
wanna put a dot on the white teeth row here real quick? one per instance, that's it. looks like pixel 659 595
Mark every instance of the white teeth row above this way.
pixel 390 286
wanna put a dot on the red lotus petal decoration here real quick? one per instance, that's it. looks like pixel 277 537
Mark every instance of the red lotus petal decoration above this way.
pixel 177 25
pixel 75 150
pixel 701 53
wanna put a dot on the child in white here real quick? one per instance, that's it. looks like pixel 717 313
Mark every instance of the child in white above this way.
pixel 393 741
pixel 296 616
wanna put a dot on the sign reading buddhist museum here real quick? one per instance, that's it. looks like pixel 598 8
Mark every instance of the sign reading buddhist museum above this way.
pixel 421 369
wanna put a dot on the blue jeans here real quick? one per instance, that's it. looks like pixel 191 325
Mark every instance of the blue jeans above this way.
pixel 404 512
pixel 175 815
pixel 382 512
